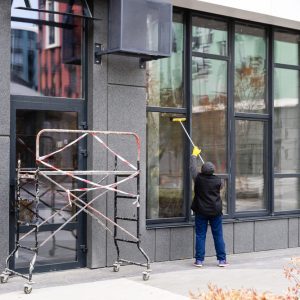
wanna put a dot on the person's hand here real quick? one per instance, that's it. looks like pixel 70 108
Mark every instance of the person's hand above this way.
pixel 196 151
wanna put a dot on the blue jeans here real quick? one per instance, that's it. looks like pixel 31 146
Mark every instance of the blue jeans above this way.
pixel 201 223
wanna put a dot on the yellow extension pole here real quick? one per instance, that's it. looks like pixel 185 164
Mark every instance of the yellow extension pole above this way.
pixel 180 120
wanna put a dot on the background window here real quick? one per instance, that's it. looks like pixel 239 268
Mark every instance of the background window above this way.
pixel 209 109
pixel 250 166
pixel 286 123
pixel 164 167
pixel 46 59
pixel 250 70
pixel 209 36
pixel 165 140
pixel 286 48
pixel 286 193
pixel 165 76
pixel 209 94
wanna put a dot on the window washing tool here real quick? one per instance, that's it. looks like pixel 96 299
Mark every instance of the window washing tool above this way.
pixel 180 120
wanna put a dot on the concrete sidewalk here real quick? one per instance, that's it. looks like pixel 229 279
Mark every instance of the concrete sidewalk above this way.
pixel 262 271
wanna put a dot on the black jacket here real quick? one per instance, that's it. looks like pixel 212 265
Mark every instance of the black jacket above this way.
pixel 207 200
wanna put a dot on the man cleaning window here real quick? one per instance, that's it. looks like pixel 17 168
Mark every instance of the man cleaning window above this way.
pixel 207 206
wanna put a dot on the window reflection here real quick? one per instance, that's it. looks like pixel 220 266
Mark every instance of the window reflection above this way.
pixel 46 60
pixel 29 123
pixel 164 167
pixel 224 193
pixel 287 193
pixel 250 70
pixel 286 121
pixel 209 109
pixel 61 248
pixel 286 138
pixel 286 48
pixel 165 76
pixel 250 167
pixel 209 36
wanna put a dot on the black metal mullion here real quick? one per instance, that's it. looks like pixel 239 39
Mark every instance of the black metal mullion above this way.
pixel 86 9
pixel 189 99
pixel 169 110
pixel 206 15
pixel 285 66
pixel 40 105
pixel 51 227
pixel 210 56
pixel 42 22
pixel 27 3
pixel 166 221
pixel 12 194
pixel 251 116
pixel 271 120
pixel 82 160
pixel 286 175
pixel 250 214
pixel 231 122
pixel 45 99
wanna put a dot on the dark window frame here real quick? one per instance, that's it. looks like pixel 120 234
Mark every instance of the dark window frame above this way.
pixel 232 116
pixel 41 103
pixel 284 67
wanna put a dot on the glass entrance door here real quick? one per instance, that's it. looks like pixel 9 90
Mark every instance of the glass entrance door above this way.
pixel 66 249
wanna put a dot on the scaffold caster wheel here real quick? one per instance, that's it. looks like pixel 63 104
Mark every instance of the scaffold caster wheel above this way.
pixel 146 275
pixel 4 278
pixel 116 267
pixel 27 288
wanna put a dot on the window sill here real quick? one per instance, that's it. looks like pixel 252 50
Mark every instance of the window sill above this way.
pixel 225 221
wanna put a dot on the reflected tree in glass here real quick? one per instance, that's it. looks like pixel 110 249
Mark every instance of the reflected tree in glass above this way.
pixel 250 70
pixel 250 185
pixel 165 76
pixel 209 36
pixel 209 121
pixel 164 167
pixel 286 48
pixel 286 139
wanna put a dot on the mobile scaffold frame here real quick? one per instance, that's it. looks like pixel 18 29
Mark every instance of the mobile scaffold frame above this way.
pixel 45 169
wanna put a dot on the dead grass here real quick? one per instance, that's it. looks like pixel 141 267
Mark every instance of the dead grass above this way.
pixel 291 272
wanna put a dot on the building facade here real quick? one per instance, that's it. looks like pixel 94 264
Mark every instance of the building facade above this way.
pixel 233 74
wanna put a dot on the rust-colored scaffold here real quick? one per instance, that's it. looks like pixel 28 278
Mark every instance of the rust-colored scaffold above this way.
pixel 123 171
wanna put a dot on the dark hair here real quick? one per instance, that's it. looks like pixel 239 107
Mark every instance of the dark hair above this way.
pixel 208 168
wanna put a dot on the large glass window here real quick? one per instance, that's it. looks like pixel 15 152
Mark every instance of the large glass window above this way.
pixel 165 76
pixel 164 167
pixel 209 110
pixel 209 36
pixel 165 153
pixel 250 97
pixel 62 247
pixel 286 122
pixel 250 165
pixel 46 59
pixel 47 67
pixel 250 70
pixel 286 48
pixel 209 93
pixel 233 111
